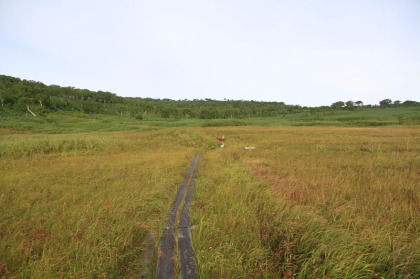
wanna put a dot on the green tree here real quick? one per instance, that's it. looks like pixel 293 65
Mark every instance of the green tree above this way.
pixel 409 103
pixel 169 111
pixel 166 112
pixel 23 104
pixel 338 104
pixel 205 114
pixel 186 112
pixel 40 98
pixel 385 103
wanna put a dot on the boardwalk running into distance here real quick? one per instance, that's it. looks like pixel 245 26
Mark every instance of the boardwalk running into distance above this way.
pixel 166 254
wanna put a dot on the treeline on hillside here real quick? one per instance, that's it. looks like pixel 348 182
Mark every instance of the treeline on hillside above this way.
pixel 23 96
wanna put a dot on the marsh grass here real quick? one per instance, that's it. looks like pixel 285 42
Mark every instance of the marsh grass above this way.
pixel 310 203
pixel 16 146
pixel 76 122
pixel 84 212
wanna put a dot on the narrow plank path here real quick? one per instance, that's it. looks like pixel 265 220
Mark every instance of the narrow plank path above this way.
pixel 180 208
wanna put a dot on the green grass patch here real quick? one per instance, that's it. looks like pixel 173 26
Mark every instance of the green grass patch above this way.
pixel 77 122
pixel 219 123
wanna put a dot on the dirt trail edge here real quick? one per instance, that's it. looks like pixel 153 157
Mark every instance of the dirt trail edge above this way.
pixel 166 256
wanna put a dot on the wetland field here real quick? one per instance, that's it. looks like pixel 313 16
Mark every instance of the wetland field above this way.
pixel 307 202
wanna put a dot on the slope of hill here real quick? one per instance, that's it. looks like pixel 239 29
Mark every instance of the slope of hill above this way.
pixel 32 105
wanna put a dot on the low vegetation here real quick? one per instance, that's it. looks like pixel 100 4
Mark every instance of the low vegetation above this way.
pixel 328 192
pixel 307 202
pixel 31 105
pixel 310 203
pixel 80 206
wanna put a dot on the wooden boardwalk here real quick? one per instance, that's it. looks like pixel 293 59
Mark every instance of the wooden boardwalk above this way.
pixel 178 224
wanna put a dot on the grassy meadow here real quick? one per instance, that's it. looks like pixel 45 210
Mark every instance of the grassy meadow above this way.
pixel 308 202
pixel 80 205
pixel 76 122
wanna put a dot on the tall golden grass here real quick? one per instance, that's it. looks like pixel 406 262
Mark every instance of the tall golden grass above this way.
pixel 306 203
pixel 315 202
pixel 84 212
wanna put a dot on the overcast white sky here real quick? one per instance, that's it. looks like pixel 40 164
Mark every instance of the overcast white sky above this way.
pixel 309 53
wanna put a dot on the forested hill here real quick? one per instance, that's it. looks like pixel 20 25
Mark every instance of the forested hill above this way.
pixel 21 96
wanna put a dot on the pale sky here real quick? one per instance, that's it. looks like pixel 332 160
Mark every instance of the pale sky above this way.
pixel 309 53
